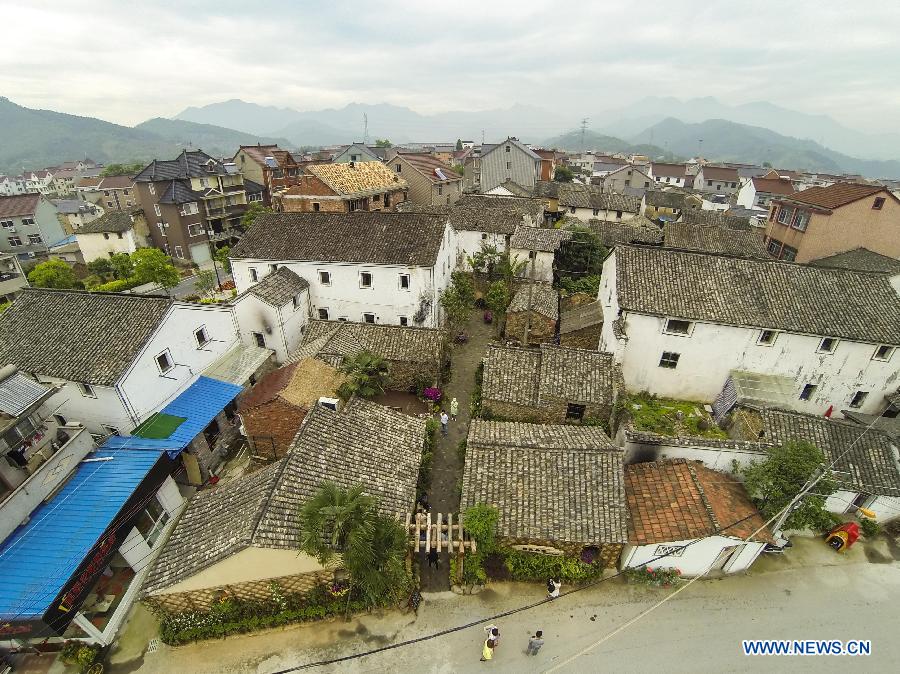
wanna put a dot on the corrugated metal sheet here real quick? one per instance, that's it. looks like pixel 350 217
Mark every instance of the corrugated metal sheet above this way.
pixel 18 393
pixel 199 404
pixel 236 366
pixel 39 557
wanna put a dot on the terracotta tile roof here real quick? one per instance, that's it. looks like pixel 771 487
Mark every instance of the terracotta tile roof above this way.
pixel 359 178
pixel 773 186
pixel 758 293
pixel 431 167
pixel 837 195
pixel 266 389
pixel 542 297
pixel 550 483
pixel 116 182
pixel 21 204
pixel 90 182
pixel 379 237
pixel 300 384
pixel 677 500
pixel 860 259
pixel 715 239
pixel 258 153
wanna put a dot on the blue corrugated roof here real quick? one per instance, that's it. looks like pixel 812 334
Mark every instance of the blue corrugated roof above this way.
pixel 38 558
pixel 199 405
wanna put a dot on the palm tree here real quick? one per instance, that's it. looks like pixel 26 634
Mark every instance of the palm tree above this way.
pixel 376 560
pixel 367 375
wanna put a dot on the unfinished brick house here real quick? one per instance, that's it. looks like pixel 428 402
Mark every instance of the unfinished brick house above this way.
pixel 558 489
pixel 580 325
pixel 551 384
pixel 343 188
pixel 532 314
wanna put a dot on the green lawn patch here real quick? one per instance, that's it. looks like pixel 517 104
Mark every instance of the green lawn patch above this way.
pixel 671 417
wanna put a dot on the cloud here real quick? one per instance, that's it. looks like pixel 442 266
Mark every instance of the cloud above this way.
pixel 127 62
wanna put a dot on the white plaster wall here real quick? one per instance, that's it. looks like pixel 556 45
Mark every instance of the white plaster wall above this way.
pixel 145 389
pixel 94 246
pixel 539 269
pixel 134 548
pixel 282 328
pixel 885 507
pixel 712 457
pixel 471 242
pixel 840 501
pixel 585 214
pixel 105 408
pixel 695 559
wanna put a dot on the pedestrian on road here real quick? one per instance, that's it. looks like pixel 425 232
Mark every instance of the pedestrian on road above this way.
pixel 535 643
pixel 487 651
pixel 553 586
pixel 454 408
pixel 444 420
pixel 433 559
pixel 493 633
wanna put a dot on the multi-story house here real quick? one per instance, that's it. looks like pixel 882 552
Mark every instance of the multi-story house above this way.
pixel 28 225
pixel 681 323
pixel 550 160
pixel 821 221
pixel 11 185
pixel 112 193
pixel 668 174
pixel 192 203
pixel 74 213
pixel 357 152
pixel 366 267
pixel 506 161
pixel 717 179
pixel 268 165
pixel 431 182
pixel 624 179
pixel 758 192
pixel 12 278
pixel 114 232
pixel 586 202
pixel 344 188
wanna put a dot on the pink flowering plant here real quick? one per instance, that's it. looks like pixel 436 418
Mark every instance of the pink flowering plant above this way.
pixel 338 589
pixel 433 394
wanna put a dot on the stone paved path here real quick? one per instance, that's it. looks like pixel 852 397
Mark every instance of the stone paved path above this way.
pixel 446 467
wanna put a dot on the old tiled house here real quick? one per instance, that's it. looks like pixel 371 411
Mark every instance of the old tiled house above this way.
pixel 344 188
pixel 532 314
pixel 669 204
pixel 431 181
pixel 580 325
pixel 268 165
pixel 717 179
pixel 509 160
pixel 551 384
pixel 715 239
pixel 483 220
pixel 593 201
pixel 537 245
pixel 241 537
pixel 415 355
pixel 860 259
pixel 558 489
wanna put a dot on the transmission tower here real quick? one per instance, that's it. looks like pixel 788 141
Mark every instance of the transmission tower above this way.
pixel 584 123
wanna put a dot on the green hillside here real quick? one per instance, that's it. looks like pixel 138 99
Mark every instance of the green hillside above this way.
pixel 214 140
pixel 572 142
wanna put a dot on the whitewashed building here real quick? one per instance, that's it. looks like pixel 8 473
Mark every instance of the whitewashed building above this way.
pixel 668 174
pixel 587 202
pixel 759 192
pixel 113 233
pixel 377 267
pixel 509 160
pixel 537 245
pixel 717 179
pixel 680 323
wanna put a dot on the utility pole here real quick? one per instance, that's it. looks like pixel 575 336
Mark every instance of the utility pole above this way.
pixel 699 148
pixel 584 123
pixel 365 129
pixel 482 138
pixel 212 250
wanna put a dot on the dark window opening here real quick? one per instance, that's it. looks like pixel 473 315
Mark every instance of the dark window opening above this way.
pixel 574 411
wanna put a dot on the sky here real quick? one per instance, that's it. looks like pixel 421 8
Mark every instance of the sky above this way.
pixel 126 62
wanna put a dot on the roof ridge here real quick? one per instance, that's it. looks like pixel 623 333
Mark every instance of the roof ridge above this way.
pixel 706 504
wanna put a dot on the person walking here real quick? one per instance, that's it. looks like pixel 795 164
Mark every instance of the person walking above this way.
pixel 444 420
pixel 493 633
pixel 535 643
pixel 553 586
pixel 487 650
pixel 433 558
pixel 454 408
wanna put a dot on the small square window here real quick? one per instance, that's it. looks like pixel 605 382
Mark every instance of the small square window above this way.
pixel 323 314
pixel 883 352
pixel 532 254
pixel 574 411
pixel 596 211
pixel 483 236
pixel 86 390
pixel 317 206
pixel 618 215
pixel 878 203
pixel 201 336
pixel 669 360
pixel 403 320
pixel 404 281
pixel 365 279
pixel 828 345
pixel 858 399
pixel 164 361
pixel 675 326
pixel 507 148
pixel 767 337
pixel 254 276
pixel 273 268
pixel 260 339
pixel 298 300
pixel 808 391
pixel 369 318
pixel 325 278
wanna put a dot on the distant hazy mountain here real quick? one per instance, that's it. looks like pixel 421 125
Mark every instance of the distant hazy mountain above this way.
pixel 572 142
pixel 214 140
pixel 396 123
pixel 727 141
pixel 643 114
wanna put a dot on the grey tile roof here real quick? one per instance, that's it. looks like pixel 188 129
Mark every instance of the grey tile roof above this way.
pixel 369 238
pixel 516 189
pixel 494 214
pixel 668 199
pixel 279 288
pixel 616 233
pixel 860 259
pixel 551 483
pixel 547 189
pixel 216 524
pixel 18 392
pixel 758 293
pixel 112 221
pixel 542 297
pixel 365 443
pixel 889 425
pixel 539 238
pixel 715 239
pixel 537 377
pixel 580 316
pixel 189 164
pixel 251 187
pixel 79 336
pixel 179 192
pixel 701 217
pixel 593 196
pixel 864 460
pixel 333 340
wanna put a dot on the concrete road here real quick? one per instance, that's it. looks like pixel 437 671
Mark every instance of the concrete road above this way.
pixel 188 286
pixel 811 593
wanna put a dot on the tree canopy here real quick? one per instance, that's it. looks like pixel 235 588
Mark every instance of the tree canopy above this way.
pixel 459 145
pixel 253 211
pixel 151 265
pixel 563 174
pixel 53 274
pixel 579 261
pixel 382 142
pixel 122 169
pixel 367 375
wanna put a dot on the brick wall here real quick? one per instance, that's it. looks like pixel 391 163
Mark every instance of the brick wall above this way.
pixel 254 590
pixel 542 331
pixel 553 412
pixel 271 427
pixel 586 338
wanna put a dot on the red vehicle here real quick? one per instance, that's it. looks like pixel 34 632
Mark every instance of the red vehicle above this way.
pixel 843 536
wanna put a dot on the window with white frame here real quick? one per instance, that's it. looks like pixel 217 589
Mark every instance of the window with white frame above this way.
pixel 669 551
pixel 14 241
pixel 179 253
pixel 827 345
pixel 669 360
pixel 201 336
pixel 157 210
pixel 675 326
pixel 365 279
pixel 151 521
pixel 195 229
pixel 152 189
pixel 325 278
pixel 808 391
pixel 404 281
pixel 7 224
pixel 785 215
pixel 883 352
pixel 164 361
pixel 35 238
pixel 86 390
pixel 767 337
pixel 254 276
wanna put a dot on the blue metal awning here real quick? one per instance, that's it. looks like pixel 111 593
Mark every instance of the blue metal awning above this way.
pixel 38 558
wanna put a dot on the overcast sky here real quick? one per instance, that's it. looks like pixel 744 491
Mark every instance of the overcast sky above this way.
pixel 126 62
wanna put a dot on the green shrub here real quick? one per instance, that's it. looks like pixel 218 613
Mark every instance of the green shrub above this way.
pixel 657 577
pixel 116 286
pixel 80 654
pixel 530 566
pixel 476 392
pixel 870 527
